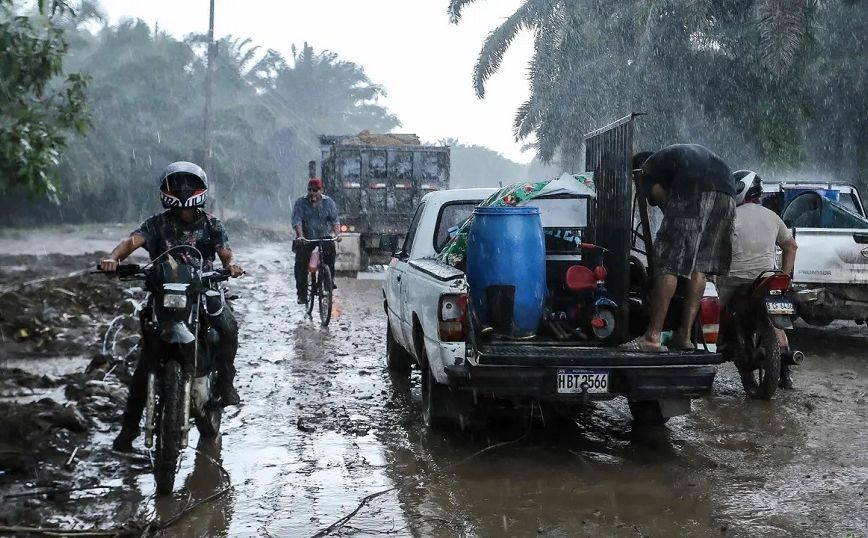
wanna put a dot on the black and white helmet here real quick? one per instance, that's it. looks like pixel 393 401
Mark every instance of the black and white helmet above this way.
pixel 183 184
pixel 748 185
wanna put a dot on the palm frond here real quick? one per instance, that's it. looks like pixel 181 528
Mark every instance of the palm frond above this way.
pixel 527 16
pixel 782 26
pixel 454 9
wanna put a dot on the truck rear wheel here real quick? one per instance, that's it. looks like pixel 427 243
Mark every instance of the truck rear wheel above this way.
pixel 397 358
pixel 647 413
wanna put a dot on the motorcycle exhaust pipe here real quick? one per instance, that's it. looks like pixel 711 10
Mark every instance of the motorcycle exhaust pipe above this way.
pixel 150 406
pixel 186 425
pixel 792 357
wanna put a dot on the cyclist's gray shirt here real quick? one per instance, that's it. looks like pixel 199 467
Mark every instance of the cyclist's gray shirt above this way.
pixel 316 222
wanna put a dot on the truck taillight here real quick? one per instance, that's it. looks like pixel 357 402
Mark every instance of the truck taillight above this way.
pixel 452 315
pixel 709 316
pixel 344 228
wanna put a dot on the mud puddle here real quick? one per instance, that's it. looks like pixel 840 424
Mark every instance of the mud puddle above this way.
pixel 323 426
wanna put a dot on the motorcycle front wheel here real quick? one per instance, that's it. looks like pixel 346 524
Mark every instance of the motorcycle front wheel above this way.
pixel 761 368
pixel 170 427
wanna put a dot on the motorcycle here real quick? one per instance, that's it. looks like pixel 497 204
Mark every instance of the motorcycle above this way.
pixel 182 378
pixel 751 341
pixel 590 285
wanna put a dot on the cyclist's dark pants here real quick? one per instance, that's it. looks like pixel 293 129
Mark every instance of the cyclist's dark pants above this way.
pixel 302 257
pixel 227 347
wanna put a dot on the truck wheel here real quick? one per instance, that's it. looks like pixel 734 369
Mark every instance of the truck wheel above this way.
pixel 647 413
pixel 435 405
pixel 816 321
pixel 397 358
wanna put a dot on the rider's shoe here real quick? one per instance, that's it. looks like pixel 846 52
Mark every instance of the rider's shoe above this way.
pixel 334 286
pixel 228 395
pixel 124 441
pixel 302 299
pixel 786 379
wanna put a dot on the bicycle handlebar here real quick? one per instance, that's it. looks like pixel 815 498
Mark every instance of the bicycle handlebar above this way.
pixel 324 240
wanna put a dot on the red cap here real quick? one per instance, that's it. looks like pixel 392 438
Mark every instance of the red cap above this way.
pixel 314 183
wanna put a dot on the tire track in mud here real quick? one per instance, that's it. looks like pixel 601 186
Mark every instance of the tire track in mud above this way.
pixel 302 449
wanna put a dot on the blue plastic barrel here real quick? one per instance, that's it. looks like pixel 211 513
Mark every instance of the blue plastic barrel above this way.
pixel 506 269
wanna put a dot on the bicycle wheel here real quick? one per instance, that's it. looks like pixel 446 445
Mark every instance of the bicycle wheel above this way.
pixel 325 296
pixel 311 293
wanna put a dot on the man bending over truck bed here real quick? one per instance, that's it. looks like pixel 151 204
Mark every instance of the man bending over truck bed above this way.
pixel 694 188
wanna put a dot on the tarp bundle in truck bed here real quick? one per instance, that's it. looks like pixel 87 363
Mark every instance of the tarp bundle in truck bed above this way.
pixel 513 195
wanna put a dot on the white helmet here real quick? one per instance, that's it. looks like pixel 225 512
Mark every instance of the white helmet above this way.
pixel 747 185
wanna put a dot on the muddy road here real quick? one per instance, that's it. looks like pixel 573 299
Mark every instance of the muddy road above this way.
pixel 322 427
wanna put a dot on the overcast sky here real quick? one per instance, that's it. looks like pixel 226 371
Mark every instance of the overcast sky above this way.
pixel 408 46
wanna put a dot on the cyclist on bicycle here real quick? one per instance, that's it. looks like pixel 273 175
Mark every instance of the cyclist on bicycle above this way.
pixel 314 216
pixel 183 191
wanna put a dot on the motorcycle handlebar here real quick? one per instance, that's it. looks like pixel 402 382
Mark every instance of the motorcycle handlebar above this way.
pixel 217 275
pixel 124 270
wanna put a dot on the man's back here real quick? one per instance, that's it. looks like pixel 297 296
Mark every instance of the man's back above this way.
pixel 688 168
pixel 756 233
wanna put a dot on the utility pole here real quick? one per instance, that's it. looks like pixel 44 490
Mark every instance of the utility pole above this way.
pixel 209 81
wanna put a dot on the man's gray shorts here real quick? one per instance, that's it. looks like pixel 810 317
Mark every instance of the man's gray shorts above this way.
pixel 696 235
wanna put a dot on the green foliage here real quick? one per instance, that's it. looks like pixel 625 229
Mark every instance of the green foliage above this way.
pixel 752 79
pixel 147 100
pixel 37 111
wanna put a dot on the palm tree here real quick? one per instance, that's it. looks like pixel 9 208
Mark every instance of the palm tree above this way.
pixel 595 59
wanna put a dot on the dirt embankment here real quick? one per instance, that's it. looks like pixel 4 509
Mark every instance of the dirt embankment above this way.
pixel 52 307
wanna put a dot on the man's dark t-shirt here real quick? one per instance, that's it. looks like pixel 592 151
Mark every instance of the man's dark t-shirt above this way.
pixel 688 169
pixel 163 231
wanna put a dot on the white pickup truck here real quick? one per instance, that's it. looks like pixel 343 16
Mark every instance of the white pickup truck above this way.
pixel 830 278
pixel 426 300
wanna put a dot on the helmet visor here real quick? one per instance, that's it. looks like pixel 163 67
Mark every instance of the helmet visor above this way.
pixel 188 189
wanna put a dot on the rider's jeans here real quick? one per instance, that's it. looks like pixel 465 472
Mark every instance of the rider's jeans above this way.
pixel 227 347
pixel 302 257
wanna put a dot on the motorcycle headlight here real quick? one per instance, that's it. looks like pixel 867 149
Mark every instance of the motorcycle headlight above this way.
pixel 175 300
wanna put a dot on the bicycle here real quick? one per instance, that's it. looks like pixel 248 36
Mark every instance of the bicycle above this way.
pixel 319 282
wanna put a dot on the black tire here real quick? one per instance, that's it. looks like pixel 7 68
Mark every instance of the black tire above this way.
pixel 170 428
pixel 397 358
pixel 815 321
pixel 312 291
pixel 436 412
pixel 209 425
pixel 761 369
pixel 325 295
pixel 647 413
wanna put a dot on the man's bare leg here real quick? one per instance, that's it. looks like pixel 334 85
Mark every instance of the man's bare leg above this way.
pixel 661 295
pixel 695 291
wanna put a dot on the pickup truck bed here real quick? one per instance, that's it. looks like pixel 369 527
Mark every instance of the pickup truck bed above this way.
pixel 657 385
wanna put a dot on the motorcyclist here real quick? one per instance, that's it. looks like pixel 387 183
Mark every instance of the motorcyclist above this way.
pixel 314 216
pixel 756 233
pixel 183 192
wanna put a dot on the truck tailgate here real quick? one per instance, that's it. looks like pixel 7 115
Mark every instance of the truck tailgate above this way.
pixel 831 256
pixel 587 356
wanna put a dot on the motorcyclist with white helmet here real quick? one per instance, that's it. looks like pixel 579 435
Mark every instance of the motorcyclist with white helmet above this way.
pixel 183 192
pixel 756 234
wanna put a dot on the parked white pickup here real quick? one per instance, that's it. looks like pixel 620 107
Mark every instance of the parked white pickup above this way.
pixel 831 272
pixel 425 302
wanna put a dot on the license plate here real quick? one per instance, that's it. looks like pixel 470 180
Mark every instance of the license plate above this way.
pixel 570 380
pixel 780 307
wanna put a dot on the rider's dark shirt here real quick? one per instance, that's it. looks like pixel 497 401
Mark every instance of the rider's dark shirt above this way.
pixel 685 170
pixel 163 231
